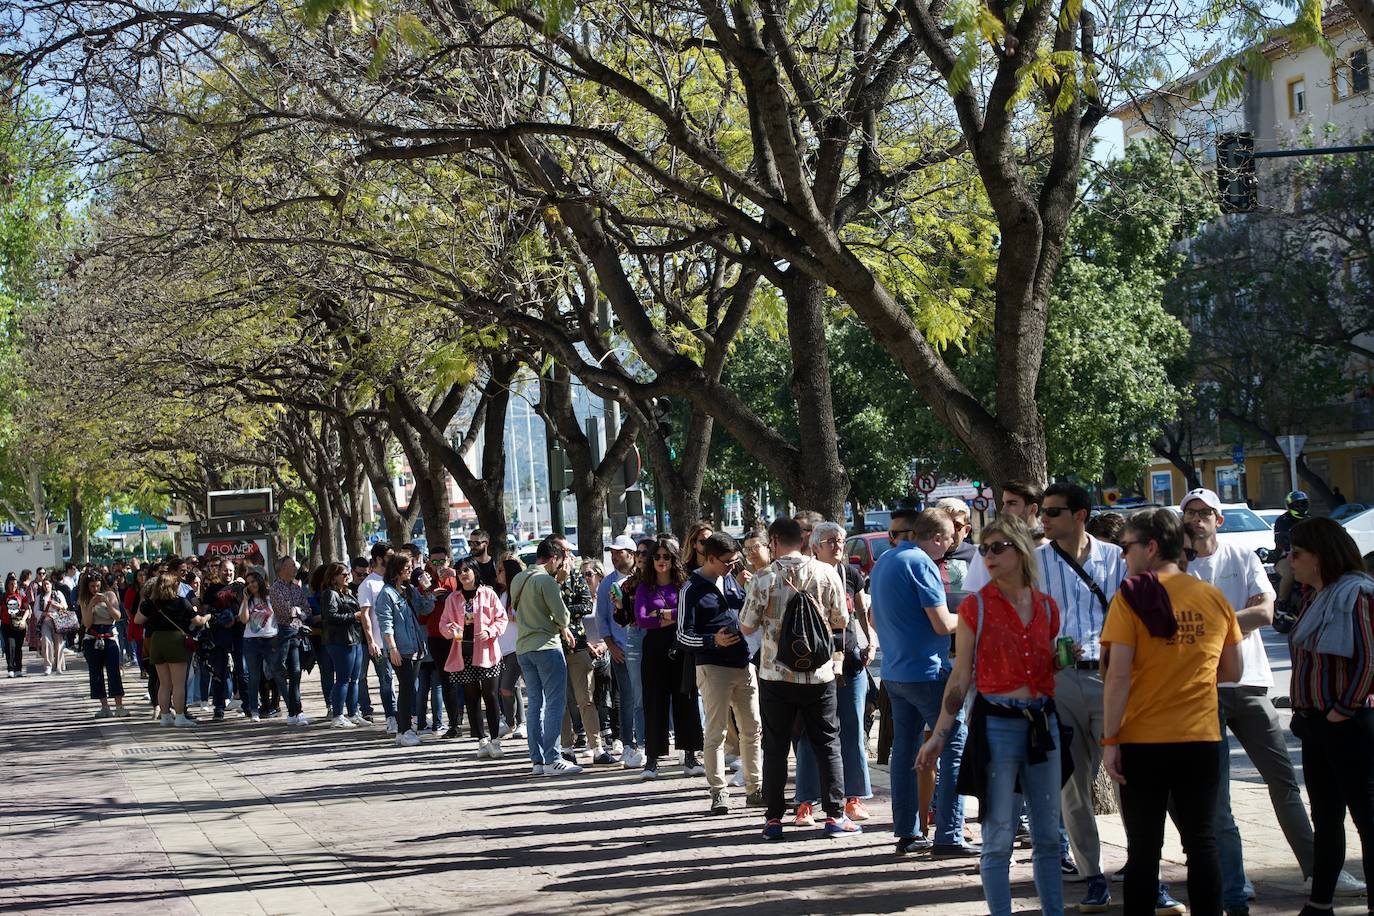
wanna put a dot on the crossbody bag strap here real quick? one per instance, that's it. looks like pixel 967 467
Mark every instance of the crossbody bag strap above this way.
pixel 1082 574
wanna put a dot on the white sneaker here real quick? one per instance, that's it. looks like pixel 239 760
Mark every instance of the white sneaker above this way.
pixel 494 749
pixel 254 717
pixel 357 719
pixel 302 719
pixel 519 731
pixel 616 748
pixel 47 669
pixel 341 722
pixel 506 729
pixel 537 769
pixel 409 739
pixel 391 725
pixel 427 730
pixel 1347 885
pixel 182 722
pixel 561 767
pixel 484 749
pixel 736 779
pixel 632 759
pixel 733 763
pixel 167 719
pixel 292 720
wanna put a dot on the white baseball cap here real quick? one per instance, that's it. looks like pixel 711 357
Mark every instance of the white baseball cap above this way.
pixel 622 543
pixel 1208 497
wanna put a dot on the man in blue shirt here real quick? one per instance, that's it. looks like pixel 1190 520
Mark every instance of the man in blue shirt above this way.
pixel 624 652
pixel 914 625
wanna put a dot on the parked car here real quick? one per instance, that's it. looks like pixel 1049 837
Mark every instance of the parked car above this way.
pixel 1361 528
pixel 458 544
pixel 1269 516
pixel 878 520
pixel 864 549
pixel 1349 510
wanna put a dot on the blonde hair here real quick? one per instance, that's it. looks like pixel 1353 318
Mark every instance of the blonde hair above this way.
pixel 1013 530
pixel 167 586
pixel 689 548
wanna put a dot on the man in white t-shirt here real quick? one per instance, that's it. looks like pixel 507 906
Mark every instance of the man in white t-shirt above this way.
pixel 1245 706
pixel 368 590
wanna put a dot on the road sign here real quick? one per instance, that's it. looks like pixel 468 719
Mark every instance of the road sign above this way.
pixel 926 483
pixel 1291 446
pixel 1111 496
pixel 1238 454
pixel 979 503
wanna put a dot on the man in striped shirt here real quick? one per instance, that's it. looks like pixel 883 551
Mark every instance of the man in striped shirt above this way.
pixel 1082 574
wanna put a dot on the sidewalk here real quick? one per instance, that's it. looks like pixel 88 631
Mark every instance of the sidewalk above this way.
pixel 123 816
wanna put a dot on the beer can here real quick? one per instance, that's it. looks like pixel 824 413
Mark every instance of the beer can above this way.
pixel 1063 652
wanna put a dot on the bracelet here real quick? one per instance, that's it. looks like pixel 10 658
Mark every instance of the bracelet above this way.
pixel 1111 742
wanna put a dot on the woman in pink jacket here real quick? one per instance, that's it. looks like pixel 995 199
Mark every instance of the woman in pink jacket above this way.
pixel 474 620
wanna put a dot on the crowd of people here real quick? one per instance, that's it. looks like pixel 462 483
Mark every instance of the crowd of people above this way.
pixel 1011 671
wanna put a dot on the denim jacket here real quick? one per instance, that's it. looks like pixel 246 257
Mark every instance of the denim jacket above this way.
pixel 396 615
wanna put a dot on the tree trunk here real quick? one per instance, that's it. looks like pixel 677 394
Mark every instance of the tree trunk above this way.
pixel 751 509
pixel 820 482
pixel 326 527
pixel 77 530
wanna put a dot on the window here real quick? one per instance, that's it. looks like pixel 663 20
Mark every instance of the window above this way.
pixel 1364 480
pixel 1350 76
pixel 1228 484
pixel 1297 97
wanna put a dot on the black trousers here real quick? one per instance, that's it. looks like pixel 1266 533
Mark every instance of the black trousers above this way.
pixel 781 705
pixel 14 648
pixel 405 695
pixel 1338 768
pixel 476 693
pixel 1181 780
pixel 661 676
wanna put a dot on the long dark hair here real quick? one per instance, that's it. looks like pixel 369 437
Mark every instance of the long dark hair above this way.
pixel 255 574
pixel 468 563
pixel 395 565
pixel 678 573
pixel 1336 551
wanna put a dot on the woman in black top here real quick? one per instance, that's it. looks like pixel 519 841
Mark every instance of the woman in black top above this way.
pixel 166 621
pixel 343 642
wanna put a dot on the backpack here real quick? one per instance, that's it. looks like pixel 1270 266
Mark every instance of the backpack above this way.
pixel 804 641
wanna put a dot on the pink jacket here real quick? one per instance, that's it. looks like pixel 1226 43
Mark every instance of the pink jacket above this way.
pixel 488 626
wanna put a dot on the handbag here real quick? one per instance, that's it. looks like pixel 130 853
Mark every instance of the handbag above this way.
pixel 66 621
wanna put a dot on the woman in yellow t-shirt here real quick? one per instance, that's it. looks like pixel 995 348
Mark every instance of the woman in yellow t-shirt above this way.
pixel 1169 639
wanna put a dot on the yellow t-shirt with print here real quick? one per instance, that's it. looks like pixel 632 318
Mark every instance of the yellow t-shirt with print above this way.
pixel 1173 695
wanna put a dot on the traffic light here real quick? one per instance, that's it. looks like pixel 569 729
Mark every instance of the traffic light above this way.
pixel 1237 183
pixel 560 472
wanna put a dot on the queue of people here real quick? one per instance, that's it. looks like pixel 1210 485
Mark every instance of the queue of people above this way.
pixel 1129 644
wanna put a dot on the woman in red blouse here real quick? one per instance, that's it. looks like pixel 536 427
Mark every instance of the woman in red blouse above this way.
pixel 1013 742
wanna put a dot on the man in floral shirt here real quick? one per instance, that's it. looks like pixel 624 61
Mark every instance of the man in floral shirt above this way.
pixel 290 608
pixel 786 694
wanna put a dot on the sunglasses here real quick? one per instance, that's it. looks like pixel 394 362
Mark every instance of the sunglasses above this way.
pixel 1055 511
pixel 996 548
pixel 589 575
pixel 663 557
pixel 898 532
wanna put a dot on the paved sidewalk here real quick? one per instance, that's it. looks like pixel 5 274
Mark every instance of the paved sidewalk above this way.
pixel 123 816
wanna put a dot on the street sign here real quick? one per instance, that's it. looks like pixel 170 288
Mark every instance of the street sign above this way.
pixel 979 503
pixel 1291 446
pixel 1238 454
pixel 925 483
pixel 1111 496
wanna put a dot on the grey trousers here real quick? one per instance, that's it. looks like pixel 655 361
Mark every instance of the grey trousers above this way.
pixel 1251 717
pixel 1078 700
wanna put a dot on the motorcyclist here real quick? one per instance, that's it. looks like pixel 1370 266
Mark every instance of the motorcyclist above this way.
pixel 1298 506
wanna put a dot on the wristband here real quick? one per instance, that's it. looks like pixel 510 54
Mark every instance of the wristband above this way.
pixel 1111 742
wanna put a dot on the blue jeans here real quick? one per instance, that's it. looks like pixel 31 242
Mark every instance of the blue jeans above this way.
pixel 1008 761
pixel 347 662
pixel 429 692
pixel 325 665
pixel 291 670
pixel 381 665
pixel 914 707
pixel 228 646
pixel 546 680
pixel 631 689
pixel 850 698
pixel 259 653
